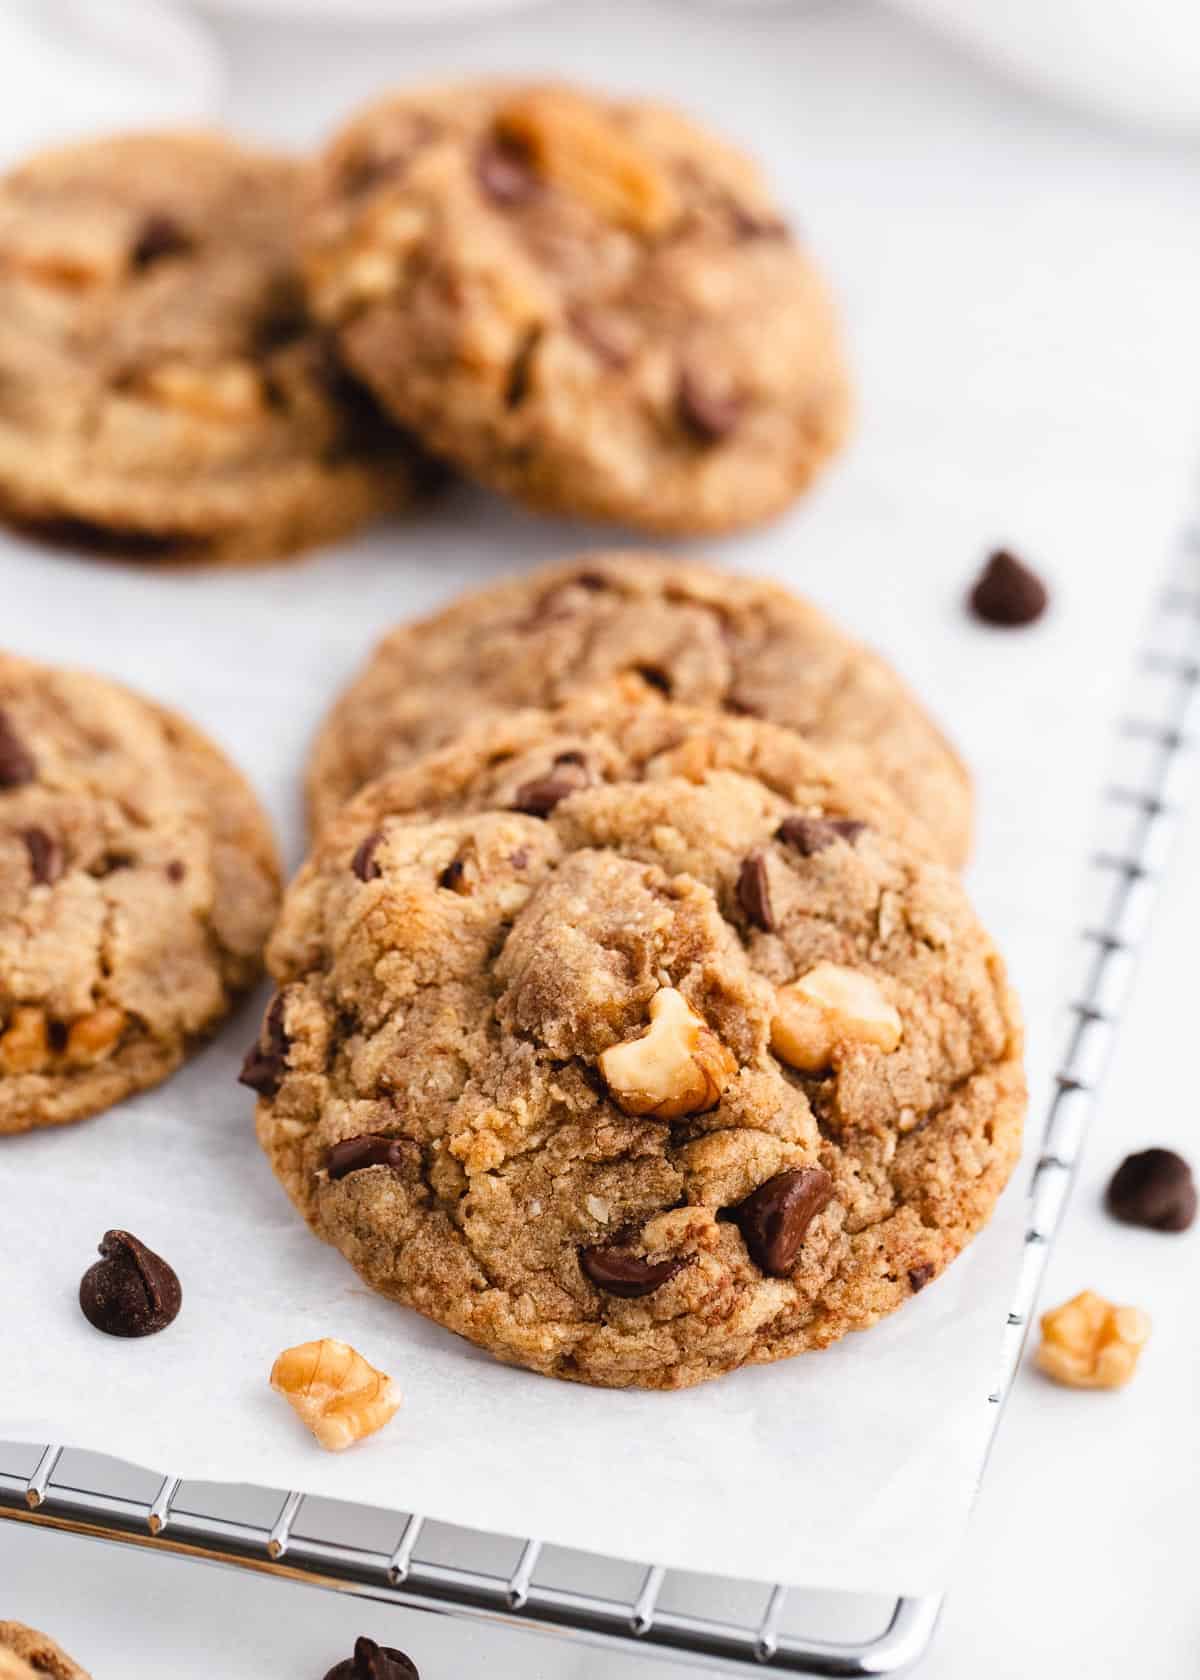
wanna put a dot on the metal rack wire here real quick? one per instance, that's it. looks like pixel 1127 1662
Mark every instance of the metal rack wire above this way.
pixel 724 1626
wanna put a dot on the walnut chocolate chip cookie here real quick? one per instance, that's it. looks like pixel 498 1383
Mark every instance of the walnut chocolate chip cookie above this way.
pixel 138 883
pixel 700 636
pixel 591 304
pixel 634 1045
pixel 163 390
pixel 26 1654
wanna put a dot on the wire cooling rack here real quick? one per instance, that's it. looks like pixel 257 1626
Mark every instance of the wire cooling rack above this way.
pixel 724 1626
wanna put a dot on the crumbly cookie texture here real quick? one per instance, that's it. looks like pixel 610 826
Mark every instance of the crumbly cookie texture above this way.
pixel 704 637
pixel 163 389
pixel 26 1654
pixel 588 303
pixel 630 1044
pixel 138 883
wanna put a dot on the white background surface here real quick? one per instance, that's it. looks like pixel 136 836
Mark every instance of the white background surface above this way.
pixel 1086 1506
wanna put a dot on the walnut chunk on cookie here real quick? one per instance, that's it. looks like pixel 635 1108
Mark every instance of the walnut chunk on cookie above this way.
pixel 590 303
pixel 551 1112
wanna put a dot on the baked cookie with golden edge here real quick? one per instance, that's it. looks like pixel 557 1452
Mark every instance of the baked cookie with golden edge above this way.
pixel 703 637
pixel 591 304
pixel 163 390
pixel 26 1654
pixel 631 1045
pixel 138 883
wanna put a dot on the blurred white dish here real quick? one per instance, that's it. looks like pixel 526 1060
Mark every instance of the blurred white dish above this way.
pixel 378 11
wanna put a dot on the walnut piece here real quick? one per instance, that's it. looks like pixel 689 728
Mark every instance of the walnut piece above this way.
pixel 93 1037
pixel 231 391
pixel 1090 1343
pixel 678 1066
pixel 573 146
pixel 24 1047
pixel 338 1394
pixel 829 1006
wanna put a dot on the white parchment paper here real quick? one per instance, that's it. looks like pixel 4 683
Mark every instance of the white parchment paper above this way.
pixel 1019 295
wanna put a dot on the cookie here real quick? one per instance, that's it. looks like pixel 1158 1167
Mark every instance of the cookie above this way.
pixel 26 1654
pixel 163 391
pixel 591 304
pixel 631 1044
pixel 138 883
pixel 704 637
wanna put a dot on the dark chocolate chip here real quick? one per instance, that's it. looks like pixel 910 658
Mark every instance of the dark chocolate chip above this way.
pixel 774 1218
pixel 1007 593
pixel 160 235
pixel 176 871
pixel 520 373
pixel 374 1662
pixel 741 707
pixel 919 1276
pixel 45 856
pixel 594 581
pixel 539 797
pixel 266 1059
pixel 754 891
pixel 363 862
pixel 57 1036
pixel 709 415
pixel 617 1272
pixel 1154 1188
pixel 131 1291
pixel 16 761
pixel 654 678
pixel 451 876
pixel 505 173
pixel 809 835
pixel 372 1149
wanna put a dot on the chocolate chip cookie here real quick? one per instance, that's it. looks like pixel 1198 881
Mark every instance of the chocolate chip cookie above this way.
pixel 26 1654
pixel 703 637
pixel 631 1044
pixel 163 390
pixel 138 883
pixel 591 304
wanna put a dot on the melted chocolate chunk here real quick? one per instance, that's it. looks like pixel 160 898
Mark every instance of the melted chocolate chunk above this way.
pixel 919 1276
pixel 708 415
pixel 266 1059
pixel 754 892
pixel 374 1662
pixel 160 235
pixel 45 856
pixel 17 766
pixel 617 1272
pixel 372 1149
pixel 809 835
pixel 775 1218
pixel 363 863
pixel 131 1291
pixel 1154 1188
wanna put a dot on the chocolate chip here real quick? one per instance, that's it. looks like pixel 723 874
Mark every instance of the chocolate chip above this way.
pixel 919 1276
pixel 520 371
pixel 131 1291
pixel 757 224
pixel 709 415
pixel 654 678
pixel 1007 593
pixel 45 856
pixel 617 1272
pixel 809 835
pixel 16 761
pixel 1154 1188
pixel 363 862
pixel 160 235
pixel 452 875
pixel 266 1059
pixel 374 1662
pixel 505 173
pixel 773 1220
pixel 176 871
pixel 57 1036
pixel 754 892
pixel 539 797
pixel 372 1149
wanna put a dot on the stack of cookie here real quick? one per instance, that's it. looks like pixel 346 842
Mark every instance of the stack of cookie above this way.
pixel 631 1020
pixel 590 304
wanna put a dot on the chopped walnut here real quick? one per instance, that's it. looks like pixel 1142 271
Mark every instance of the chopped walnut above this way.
pixel 1090 1343
pixel 93 1037
pixel 679 1065
pixel 575 147
pixel 337 1393
pixel 230 391
pixel 829 1006
pixel 24 1047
